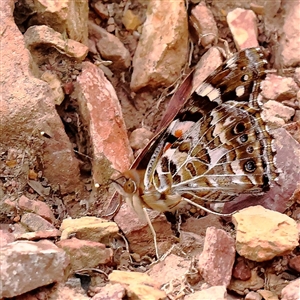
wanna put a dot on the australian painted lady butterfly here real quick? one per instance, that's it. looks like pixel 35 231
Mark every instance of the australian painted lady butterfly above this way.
pixel 212 146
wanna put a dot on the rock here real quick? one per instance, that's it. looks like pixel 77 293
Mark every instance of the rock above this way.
pixel 55 85
pixel 289 41
pixel 109 47
pixel 8 210
pixel 204 24
pixel 38 235
pixel 38 207
pixel 208 62
pixel 243 26
pixel 242 286
pixel 36 223
pixel 294 263
pixel 281 193
pixel 37 112
pixel 139 138
pixel 138 232
pixel 241 269
pixel 191 243
pixel 267 295
pixel 89 228
pixel 111 292
pixel 276 113
pixel 130 20
pixel 199 226
pixel 85 254
pixel 101 113
pixel 35 36
pixel 291 291
pixel 171 268
pixel 101 10
pixel 216 261
pixel 253 296
pixel 211 293
pixel 6 237
pixel 26 263
pixel 279 88
pixel 262 234
pixel 67 17
pixel 163 46
pixel 138 285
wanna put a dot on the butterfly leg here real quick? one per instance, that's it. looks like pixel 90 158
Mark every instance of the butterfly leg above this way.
pixel 153 232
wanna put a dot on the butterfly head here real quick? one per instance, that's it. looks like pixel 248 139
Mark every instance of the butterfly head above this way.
pixel 130 186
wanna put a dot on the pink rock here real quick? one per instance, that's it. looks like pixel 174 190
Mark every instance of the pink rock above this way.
pixel 31 265
pixel 279 88
pixel 35 222
pixel 204 24
pixel 241 270
pixel 138 232
pixel 101 113
pixel 6 237
pixel 291 291
pixel 294 263
pixel 243 25
pixel 38 207
pixel 27 109
pixel 216 261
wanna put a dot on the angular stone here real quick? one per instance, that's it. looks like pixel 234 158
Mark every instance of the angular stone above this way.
pixel 111 292
pixel 89 228
pixel 110 47
pixel 67 17
pixel 208 62
pixel 39 235
pixel 138 233
pixel 276 113
pixel 216 261
pixel 27 108
pixel 101 113
pixel 6 237
pixel 291 291
pixel 241 286
pixel 289 41
pixel 85 254
pixel 163 46
pixel 35 222
pixel 211 293
pixel 204 24
pixel 294 263
pixel 37 35
pixel 145 292
pixel 279 88
pixel 38 207
pixel 56 87
pixel 131 278
pixel 31 265
pixel 139 138
pixel 199 226
pixel 262 234
pixel 170 269
pixel 243 26
pixel 241 269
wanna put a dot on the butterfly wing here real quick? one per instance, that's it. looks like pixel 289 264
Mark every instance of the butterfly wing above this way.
pixel 226 153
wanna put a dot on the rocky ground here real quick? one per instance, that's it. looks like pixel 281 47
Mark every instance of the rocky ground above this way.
pixel 83 87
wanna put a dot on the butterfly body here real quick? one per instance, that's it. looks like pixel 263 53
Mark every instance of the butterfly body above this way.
pixel 212 147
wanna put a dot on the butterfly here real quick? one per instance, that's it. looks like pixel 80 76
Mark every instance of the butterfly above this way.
pixel 212 144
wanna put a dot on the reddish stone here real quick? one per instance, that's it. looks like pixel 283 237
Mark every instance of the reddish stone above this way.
pixel 241 270
pixel 216 261
pixel 294 263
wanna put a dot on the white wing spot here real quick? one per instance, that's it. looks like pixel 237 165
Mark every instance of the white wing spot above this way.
pixel 240 90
